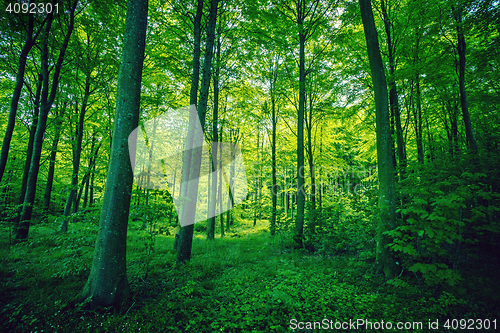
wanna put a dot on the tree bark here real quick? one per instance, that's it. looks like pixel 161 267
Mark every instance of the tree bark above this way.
pixel 387 199
pixel 107 284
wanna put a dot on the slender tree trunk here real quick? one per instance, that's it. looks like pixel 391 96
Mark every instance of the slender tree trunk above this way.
pixel 87 183
pixel 257 182
pixel 107 284
pixel 287 195
pixel 418 121
pixel 91 190
pixel 29 150
pixel 194 163
pixel 273 159
pixel 77 153
pixel 310 160
pixel 393 94
pixel 215 144
pixel 186 232
pixel 429 139
pixel 52 161
pixel 301 195
pixel 91 171
pixel 228 214
pixel 320 196
pixel 461 48
pixel 385 261
pixel 47 100
pixel 30 41
pixel 220 191
pixel 230 201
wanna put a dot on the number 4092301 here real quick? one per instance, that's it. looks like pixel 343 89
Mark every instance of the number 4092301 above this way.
pixel 32 8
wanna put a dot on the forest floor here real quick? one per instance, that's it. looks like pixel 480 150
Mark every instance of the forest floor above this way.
pixel 246 282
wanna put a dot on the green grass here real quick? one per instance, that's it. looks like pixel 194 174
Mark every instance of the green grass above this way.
pixel 245 282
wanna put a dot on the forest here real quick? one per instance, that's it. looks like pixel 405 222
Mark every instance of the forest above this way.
pixel 249 166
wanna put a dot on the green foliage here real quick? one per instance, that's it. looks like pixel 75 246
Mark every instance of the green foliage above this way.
pixel 445 211
pixel 346 224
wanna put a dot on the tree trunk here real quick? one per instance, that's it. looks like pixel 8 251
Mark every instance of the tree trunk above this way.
pixel 387 199
pixel 107 284
pixel 30 41
pixel 301 195
pixel 230 199
pixel 273 158
pixel 310 160
pixel 29 150
pixel 418 122
pixel 220 192
pixel 52 160
pixel 393 94
pixel 89 170
pixel 193 164
pixel 91 189
pixel 215 144
pixel 77 153
pixel 461 47
pixel 47 100
pixel 257 182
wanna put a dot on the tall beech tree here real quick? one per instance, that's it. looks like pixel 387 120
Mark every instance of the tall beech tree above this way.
pixel 107 283
pixel 385 261
pixel 22 229
pixel 307 16
pixel 192 162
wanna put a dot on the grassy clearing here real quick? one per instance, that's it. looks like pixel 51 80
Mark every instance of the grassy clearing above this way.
pixel 246 282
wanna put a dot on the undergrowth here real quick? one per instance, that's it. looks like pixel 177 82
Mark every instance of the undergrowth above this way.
pixel 245 282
